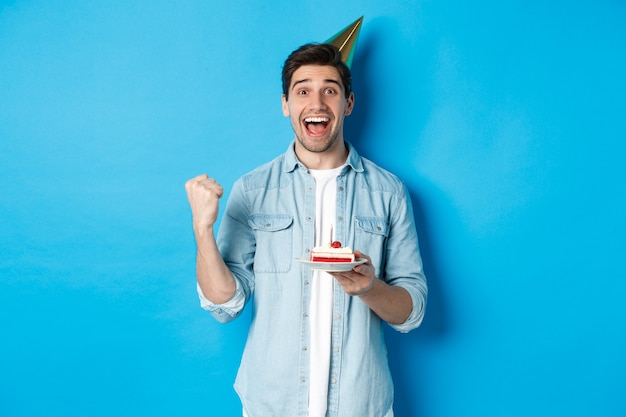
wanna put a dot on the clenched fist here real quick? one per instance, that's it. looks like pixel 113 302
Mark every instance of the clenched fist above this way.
pixel 204 194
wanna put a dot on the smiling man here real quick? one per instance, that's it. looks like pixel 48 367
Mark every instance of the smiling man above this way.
pixel 315 346
pixel 317 108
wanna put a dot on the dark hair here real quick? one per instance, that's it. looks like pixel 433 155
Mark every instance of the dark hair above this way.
pixel 316 54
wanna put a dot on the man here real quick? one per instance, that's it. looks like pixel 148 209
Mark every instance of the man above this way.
pixel 315 346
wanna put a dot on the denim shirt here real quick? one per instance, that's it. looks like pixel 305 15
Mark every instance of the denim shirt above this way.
pixel 267 223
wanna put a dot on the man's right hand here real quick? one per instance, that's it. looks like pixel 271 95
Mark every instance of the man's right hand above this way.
pixel 203 194
pixel 214 278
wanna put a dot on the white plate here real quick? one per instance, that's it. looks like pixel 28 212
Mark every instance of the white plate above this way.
pixel 331 266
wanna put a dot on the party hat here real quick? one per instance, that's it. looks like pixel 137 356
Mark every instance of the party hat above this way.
pixel 346 39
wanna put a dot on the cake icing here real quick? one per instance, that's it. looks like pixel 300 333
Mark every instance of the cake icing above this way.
pixel 332 253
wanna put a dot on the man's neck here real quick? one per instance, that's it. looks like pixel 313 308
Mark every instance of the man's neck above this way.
pixel 332 158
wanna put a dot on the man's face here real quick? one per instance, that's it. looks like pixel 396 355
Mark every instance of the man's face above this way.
pixel 317 107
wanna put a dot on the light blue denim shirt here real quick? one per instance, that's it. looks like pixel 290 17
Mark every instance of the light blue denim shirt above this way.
pixel 267 223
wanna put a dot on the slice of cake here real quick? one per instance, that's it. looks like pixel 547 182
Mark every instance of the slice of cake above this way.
pixel 332 253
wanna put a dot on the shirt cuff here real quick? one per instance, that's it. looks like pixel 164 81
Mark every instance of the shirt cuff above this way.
pixel 226 311
pixel 418 298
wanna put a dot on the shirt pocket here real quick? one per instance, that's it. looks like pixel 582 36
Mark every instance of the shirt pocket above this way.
pixel 370 236
pixel 274 242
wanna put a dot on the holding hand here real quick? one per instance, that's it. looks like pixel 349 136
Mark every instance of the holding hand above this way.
pixel 360 279
pixel 391 303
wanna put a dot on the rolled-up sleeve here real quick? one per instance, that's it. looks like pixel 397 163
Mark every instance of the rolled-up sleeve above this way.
pixel 227 311
pixel 418 292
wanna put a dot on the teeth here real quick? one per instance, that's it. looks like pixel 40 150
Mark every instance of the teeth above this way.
pixel 316 119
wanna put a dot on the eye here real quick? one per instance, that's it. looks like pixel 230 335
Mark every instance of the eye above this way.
pixel 302 92
pixel 330 91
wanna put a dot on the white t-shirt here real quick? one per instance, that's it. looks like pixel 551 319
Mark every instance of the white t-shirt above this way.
pixel 322 284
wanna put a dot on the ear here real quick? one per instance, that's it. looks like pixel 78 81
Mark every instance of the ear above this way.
pixel 285 106
pixel 350 104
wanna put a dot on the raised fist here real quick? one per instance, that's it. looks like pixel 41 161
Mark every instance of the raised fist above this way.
pixel 204 194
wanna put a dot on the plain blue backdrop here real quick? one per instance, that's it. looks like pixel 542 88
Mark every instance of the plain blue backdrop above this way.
pixel 505 119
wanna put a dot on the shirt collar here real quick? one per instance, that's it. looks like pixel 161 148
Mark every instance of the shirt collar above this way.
pixel 291 160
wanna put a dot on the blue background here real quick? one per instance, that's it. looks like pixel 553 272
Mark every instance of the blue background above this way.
pixel 505 119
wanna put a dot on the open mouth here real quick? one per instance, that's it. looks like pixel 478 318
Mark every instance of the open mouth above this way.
pixel 316 125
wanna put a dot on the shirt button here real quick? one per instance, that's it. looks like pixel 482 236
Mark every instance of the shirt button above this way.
pixel 340 218
pixel 305 348
pixel 334 381
pixel 337 316
pixel 306 282
pixel 336 349
pixel 341 188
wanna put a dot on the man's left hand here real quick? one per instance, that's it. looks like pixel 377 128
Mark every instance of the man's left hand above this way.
pixel 360 279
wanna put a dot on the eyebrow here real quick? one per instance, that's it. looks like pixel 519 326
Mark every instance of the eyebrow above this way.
pixel 306 80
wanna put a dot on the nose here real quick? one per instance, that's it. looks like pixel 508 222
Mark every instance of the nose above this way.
pixel 318 101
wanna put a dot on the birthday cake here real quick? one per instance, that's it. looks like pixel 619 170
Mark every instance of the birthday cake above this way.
pixel 332 253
